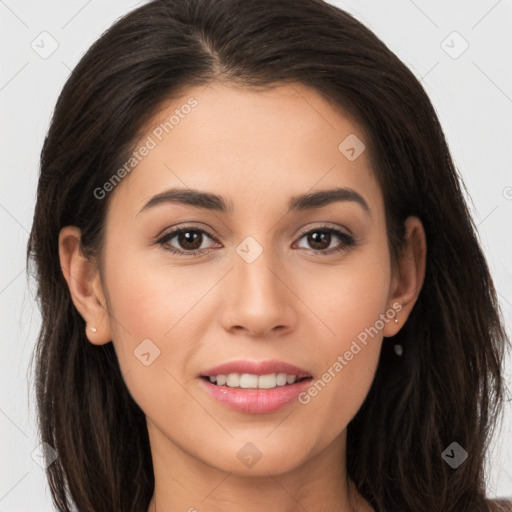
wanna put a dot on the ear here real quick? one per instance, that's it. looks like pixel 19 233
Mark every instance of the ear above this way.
pixel 84 283
pixel 408 279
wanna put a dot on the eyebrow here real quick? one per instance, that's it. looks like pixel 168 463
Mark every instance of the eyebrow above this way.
pixel 213 202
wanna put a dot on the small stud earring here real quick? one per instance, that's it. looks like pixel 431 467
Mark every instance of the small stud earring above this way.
pixel 93 329
pixel 396 320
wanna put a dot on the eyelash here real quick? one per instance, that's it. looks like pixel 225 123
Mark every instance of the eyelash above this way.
pixel 347 241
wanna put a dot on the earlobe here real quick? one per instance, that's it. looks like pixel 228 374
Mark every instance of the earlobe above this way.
pixel 83 280
pixel 408 279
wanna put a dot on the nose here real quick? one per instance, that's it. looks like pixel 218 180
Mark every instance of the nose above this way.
pixel 259 302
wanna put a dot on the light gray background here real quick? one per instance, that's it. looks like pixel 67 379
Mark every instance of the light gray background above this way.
pixel 472 94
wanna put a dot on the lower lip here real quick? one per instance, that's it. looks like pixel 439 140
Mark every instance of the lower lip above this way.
pixel 256 401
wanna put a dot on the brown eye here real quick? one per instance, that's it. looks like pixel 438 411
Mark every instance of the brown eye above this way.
pixel 320 240
pixel 188 241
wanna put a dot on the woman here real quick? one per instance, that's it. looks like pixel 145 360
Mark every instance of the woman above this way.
pixel 260 284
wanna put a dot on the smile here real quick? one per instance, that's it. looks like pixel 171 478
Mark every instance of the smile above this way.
pixel 252 381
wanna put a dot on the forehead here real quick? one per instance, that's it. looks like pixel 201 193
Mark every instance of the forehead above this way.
pixel 250 144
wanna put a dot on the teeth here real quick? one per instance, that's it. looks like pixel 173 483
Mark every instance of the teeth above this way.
pixel 250 381
pixel 290 379
pixel 281 379
pixel 267 381
pixel 233 380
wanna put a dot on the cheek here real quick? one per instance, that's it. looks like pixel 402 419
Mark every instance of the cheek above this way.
pixel 155 300
pixel 339 390
pixel 351 301
pixel 347 297
pixel 155 314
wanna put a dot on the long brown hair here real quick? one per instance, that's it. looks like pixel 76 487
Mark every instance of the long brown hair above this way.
pixel 448 385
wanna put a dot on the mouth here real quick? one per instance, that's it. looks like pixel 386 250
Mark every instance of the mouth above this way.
pixel 253 387
pixel 253 381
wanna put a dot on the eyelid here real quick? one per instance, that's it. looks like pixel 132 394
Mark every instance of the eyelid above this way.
pixel 324 225
pixel 179 227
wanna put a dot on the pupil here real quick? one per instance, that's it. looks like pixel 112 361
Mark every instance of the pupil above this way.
pixel 186 240
pixel 315 239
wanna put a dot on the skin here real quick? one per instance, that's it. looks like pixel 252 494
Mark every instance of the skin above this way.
pixel 256 149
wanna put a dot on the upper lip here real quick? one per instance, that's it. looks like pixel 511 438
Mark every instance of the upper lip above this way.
pixel 256 368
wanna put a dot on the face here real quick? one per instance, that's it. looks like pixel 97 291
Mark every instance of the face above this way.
pixel 269 278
